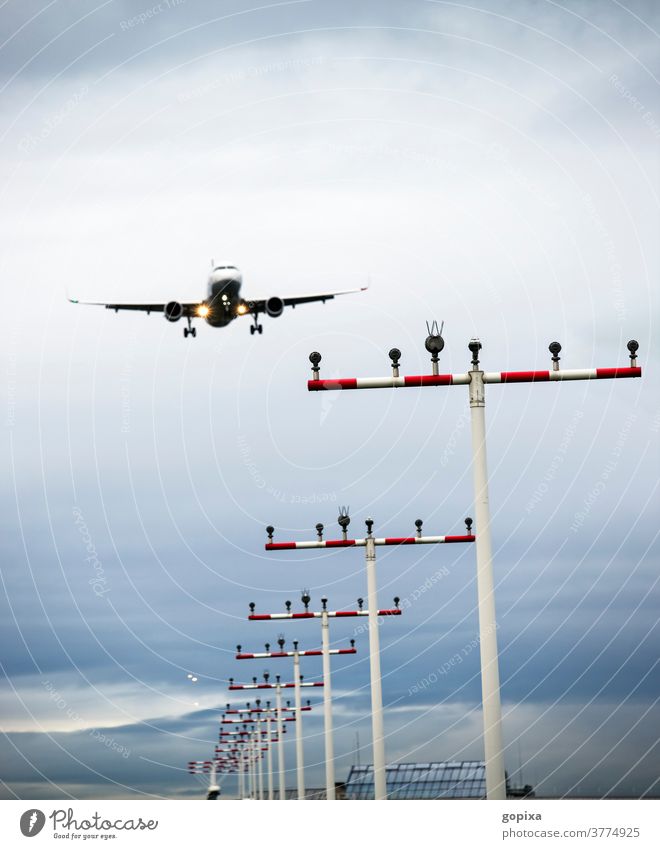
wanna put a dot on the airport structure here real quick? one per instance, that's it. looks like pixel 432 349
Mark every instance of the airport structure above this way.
pixel 445 780
pixel 369 544
pixel 476 380
pixel 296 655
pixel 324 615
pixel 242 752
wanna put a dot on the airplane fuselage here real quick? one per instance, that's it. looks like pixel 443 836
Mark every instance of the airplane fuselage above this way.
pixel 223 298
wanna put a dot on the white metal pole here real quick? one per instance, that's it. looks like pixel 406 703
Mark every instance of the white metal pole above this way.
pixel 246 765
pixel 241 767
pixel 269 737
pixel 490 676
pixel 380 783
pixel 260 766
pixel 251 763
pixel 213 784
pixel 280 740
pixel 327 706
pixel 255 767
pixel 300 767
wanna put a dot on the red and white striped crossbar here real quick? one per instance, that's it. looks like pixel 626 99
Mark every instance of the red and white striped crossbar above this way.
pixel 235 742
pixel 310 653
pixel 394 611
pixel 261 748
pixel 261 710
pixel 236 736
pixel 349 543
pixel 250 721
pixel 274 686
pixel 417 380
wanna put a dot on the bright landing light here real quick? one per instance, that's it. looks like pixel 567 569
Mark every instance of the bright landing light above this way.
pixel 203 311
pixel 241 309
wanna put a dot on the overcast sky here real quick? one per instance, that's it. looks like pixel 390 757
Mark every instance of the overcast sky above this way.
pixel 494 166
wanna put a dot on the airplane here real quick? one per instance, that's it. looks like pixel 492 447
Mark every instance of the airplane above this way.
pixel 223 303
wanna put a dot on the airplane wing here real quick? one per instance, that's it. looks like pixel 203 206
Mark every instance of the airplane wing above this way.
pixel 257 305
pixel 188 309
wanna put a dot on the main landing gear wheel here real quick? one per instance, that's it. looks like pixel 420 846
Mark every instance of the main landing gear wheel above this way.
pixel 256 327
pixel 190 330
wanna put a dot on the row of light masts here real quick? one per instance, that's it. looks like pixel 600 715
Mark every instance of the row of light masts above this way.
pixel 278 686
pixel 324 615
pixel 326 652
pixel 245 740
pixel 476 380
pixel 240 750
pixel 250 721
pixel 296 654
pixel 369 543
pixel 373 613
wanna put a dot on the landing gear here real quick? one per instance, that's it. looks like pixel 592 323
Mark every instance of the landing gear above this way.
pixel 190 330
pixel 256 327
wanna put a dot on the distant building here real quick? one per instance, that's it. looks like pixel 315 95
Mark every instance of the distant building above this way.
pixel 440 780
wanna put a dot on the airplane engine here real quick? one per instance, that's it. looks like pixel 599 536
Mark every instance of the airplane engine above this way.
pixel 274 306
pixel 173 311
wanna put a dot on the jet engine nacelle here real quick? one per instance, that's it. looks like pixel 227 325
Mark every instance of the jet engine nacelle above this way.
pixel 173 311
pixel 274 307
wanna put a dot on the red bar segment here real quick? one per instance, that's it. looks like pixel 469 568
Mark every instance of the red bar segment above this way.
pixel 427 380
pixel 342 383
pixel 524 376
pixel 339 543
pixel 464 538
pixel 273 546
pixel 399 540
pixel 635 371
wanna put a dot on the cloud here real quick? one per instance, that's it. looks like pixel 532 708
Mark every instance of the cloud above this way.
pixel 480 166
